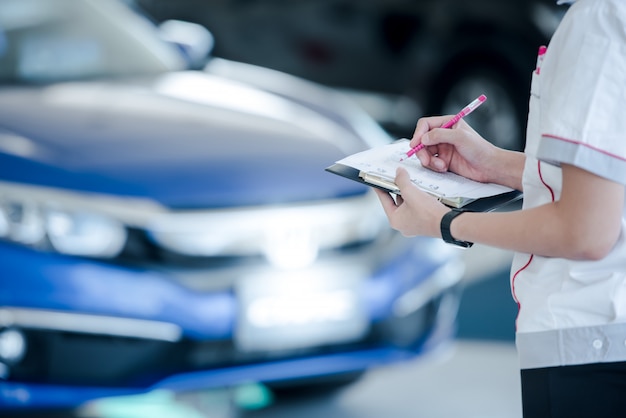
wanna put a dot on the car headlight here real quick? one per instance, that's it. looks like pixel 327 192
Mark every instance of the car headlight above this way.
pixel 84 234
pixel 22 222
pixel 65 231
pixel 66 222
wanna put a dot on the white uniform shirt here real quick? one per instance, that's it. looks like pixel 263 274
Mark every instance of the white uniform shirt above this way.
pixel 574 312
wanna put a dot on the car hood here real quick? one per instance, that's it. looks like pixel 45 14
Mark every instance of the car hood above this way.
pixel 185 140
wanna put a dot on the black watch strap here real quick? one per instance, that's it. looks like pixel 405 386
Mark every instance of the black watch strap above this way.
pixel 446 221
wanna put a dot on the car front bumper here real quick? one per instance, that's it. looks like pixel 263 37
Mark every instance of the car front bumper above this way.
pixel 93 330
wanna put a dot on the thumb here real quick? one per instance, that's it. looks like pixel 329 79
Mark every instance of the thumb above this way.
pixel 403 180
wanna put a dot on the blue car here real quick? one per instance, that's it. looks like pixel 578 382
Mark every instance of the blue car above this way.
pixel 164 227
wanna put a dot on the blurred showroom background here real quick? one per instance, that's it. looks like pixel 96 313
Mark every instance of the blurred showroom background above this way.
pixel 150 238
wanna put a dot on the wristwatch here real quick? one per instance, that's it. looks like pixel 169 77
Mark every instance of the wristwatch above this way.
pixel 445 228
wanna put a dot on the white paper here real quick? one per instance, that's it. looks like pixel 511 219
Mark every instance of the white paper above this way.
pixel 383 161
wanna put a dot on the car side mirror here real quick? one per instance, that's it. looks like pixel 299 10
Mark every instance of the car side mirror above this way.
pixel 195 41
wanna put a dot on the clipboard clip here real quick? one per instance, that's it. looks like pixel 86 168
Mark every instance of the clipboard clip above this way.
pixel 384 182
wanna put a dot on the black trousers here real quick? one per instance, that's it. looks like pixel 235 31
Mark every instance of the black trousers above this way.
pixel 584 391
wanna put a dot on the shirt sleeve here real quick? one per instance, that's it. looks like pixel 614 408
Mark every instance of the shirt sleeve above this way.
pixel 583 97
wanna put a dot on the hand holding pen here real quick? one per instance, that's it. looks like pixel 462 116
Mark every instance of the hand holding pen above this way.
pixel 464 112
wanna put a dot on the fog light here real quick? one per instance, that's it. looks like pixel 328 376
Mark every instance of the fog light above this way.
pixel 12 345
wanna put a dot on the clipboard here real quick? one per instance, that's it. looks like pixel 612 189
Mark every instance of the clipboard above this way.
pixel 483 204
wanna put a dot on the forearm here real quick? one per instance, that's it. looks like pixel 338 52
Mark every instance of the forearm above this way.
pixel 533 231
pixel 583 224
pixel 506 169
pixel 546 230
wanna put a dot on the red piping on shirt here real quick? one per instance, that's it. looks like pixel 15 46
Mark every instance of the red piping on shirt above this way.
pixel 543 181
pixel 513 285
pixel 532 255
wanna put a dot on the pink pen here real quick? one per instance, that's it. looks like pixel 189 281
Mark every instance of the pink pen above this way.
pixel 466 111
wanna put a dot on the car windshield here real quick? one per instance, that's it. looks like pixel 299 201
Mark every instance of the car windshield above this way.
pixel 44 41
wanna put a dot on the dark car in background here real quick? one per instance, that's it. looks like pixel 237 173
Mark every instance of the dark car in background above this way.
pixel 164 228
pixel 400 59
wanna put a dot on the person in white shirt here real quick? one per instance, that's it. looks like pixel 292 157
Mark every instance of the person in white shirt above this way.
pixel 569 270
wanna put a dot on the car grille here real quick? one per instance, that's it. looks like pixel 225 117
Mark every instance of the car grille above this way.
pixel 219 273
pixel 70 358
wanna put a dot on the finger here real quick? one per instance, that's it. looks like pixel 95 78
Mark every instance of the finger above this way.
pixel 387 202
pixel 440 136
pixel 430 157
pixel 403 180
pixel 424 125
pixel 425 154
pixel 438 164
